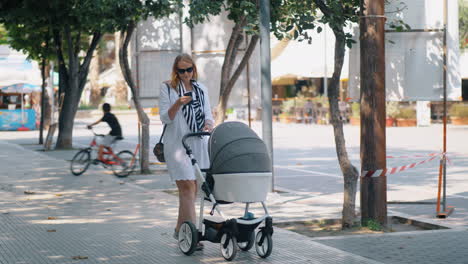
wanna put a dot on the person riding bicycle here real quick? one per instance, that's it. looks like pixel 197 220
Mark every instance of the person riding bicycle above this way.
pixel 115 133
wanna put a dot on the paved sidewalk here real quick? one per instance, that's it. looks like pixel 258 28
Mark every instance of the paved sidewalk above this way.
pixel 102 219
pixel 50 216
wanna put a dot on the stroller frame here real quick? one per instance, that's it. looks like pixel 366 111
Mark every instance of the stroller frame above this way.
pixel 230 233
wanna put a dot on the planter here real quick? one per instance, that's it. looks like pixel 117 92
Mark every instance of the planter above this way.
pixel 287 119
pixel 355 121
pixel 459 120
pixel 389 121
pixel 402 122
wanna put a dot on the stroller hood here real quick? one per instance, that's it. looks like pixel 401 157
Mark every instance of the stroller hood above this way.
pixel 235 148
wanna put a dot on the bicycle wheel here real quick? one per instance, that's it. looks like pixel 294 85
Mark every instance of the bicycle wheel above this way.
pixel 80 162
pixel 122 165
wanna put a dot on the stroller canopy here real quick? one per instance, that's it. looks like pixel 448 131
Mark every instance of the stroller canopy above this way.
pixel 235 148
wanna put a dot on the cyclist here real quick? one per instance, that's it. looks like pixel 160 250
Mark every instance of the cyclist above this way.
pixel 115 133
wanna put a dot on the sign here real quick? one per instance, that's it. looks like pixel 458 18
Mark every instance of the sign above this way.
pixel 17 119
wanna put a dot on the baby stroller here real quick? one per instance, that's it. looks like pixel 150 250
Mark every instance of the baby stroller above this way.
pixel 240 171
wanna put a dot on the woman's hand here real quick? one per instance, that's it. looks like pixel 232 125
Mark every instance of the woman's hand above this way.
pixel 183 100
pixel 208 126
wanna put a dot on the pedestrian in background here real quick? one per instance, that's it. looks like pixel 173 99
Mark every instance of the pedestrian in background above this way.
pixel 185 107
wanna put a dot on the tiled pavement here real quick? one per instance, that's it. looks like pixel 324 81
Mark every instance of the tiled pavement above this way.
pixel 50 216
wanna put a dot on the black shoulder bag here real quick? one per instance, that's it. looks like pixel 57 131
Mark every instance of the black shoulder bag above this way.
pixel 158 149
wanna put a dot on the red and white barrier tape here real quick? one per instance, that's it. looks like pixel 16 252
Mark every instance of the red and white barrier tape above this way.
pixel 414 156
pixel 389 171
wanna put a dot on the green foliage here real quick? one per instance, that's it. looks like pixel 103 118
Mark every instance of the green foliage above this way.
pixel 201 11
pixel 87 107
pixel 3 35
pixel 463 23
pixel 288 106
pixel 374 225
pixel 406 113
pixel 459 110
pixel 323 100
pixel 392 109
pixel 356 110
pixel 32 23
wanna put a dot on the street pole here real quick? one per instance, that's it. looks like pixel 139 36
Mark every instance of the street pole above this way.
pixel 325 78
pixel 373 145
pixel 43 90
pixel 267 131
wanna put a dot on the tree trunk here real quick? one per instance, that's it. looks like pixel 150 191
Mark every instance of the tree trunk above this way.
pixel 95 96
pixel 350 173
pixel 121 87
pixel 67 116
pixel 227 80
pixel 142 117
pixel 75 78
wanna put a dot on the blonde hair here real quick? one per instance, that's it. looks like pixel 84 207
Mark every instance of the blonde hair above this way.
pixel 175 76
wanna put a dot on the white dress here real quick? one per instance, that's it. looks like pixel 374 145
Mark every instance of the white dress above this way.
pixel 177 161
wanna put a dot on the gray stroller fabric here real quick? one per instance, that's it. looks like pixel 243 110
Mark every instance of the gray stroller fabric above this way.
pixel 235 148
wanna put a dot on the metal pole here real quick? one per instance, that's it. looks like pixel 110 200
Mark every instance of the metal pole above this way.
pixel 247 72
pixel 373 145
pixel 445 105
pixel 266 80
pixel 325 78
pixel 52 97
pixel 41 124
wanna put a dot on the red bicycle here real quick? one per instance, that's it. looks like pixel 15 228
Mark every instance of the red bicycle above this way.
pixel 122 163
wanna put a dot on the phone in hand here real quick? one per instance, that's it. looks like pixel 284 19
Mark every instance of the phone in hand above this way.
pixel 188 94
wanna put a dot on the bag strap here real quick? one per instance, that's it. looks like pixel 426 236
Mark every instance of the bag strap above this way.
pixel 164 129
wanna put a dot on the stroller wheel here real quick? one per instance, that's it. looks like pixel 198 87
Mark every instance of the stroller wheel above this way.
pixel 188 238
pixel 228 246
pixel 263 246
pixel 246 246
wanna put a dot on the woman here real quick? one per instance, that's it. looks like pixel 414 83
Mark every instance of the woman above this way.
pixel 185 108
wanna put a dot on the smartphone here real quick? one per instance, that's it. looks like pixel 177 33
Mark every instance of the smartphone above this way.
pixel 188 94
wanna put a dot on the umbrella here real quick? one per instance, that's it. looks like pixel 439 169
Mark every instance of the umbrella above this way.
pixel 20 88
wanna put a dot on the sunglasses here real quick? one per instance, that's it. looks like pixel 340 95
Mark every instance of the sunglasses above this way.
pixel 182 71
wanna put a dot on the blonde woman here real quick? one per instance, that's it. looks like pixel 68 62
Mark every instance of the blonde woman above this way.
pixel 185 107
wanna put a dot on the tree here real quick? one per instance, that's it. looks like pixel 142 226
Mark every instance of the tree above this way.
pixel 37 46
pixel 130 12
pixel 339 14
pixel 463 23
pixel 302 16
pixel 244 14
pixel 76 28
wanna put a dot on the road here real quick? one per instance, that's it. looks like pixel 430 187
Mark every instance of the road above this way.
pixel 305 157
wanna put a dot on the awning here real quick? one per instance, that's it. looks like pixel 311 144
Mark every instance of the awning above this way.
pixel 16 69
pixel 20 88
pixel 299 60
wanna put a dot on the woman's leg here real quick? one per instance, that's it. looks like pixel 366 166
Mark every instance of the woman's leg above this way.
pixel 187 190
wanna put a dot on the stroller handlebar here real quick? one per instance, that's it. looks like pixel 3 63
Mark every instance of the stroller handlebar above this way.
pixel 196 134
